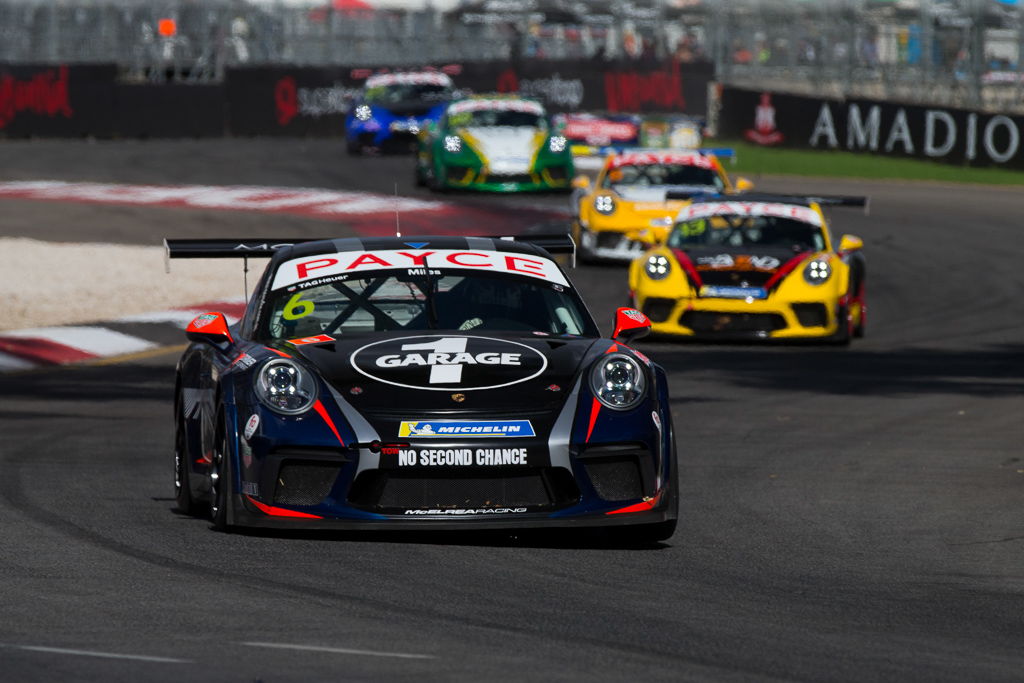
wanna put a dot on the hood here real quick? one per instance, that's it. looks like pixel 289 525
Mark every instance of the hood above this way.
pixel 506 150
pixel 420 375
pixel 411 108
pixel 750 265
pixel 658 194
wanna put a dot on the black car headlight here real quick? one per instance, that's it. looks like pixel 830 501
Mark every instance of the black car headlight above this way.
pixel 817 272
pixel 363 112
pixel 657 267
pixel 452 144
pixel 285 387
pixel 605 204
pixel 618 381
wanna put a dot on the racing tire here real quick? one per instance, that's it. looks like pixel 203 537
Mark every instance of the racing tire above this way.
pixel 183 498
pixel 220 479
pixel 859 328
pixel 353 148
pixel 844 329
pixel 419 179
pixel 583 252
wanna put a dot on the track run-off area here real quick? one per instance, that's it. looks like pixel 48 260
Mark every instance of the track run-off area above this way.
pixel 847 514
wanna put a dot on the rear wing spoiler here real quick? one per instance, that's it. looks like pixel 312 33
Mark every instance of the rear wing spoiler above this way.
pixel 833 200
pixel 589 150
pixel 227 248
pixel 551 242
pixel 805 199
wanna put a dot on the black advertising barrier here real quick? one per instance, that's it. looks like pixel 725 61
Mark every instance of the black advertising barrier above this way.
pixel 571 85
pixel 943 134
pixel 57 100
pixel 170 110
pixel 291 101
pixel 88 100
pixel 303 101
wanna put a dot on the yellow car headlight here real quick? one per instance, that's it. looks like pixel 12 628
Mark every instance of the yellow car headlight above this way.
pixel 604 204
pixel 817 272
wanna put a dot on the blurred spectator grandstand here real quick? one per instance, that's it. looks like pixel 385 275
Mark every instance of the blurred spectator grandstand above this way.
pixel 949 52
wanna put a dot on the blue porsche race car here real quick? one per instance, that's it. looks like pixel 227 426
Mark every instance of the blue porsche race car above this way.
pixel 393 108
pixel 424 383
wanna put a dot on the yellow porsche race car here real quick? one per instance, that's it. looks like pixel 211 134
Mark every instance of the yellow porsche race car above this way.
pixel 756 267
pixel 636 196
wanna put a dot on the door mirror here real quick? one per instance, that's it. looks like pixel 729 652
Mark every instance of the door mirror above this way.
pixel 211 328
pixel 744 185
pixel 581 182
pixel 850 243
pixel 630 324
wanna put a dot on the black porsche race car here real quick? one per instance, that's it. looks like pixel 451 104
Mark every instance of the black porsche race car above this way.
pixel 420 383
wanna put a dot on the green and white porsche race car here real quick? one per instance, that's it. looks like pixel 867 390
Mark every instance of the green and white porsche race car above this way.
pixel 495 144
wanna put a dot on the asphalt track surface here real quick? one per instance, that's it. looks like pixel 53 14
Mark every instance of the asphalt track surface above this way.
pixel 847 514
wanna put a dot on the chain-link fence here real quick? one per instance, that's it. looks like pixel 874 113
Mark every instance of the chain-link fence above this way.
pixel 948 52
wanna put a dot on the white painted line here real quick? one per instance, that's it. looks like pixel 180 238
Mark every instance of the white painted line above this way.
pixel 340 650
pixel 8 362
pixel 92 653
pixel 98 341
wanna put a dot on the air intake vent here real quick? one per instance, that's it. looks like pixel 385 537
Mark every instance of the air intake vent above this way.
pixel 300 483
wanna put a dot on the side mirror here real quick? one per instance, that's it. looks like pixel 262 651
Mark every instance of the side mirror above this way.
pixel 630 324
pixel 211 328
pixel 850 243
pixel 581 182
pixel 744 185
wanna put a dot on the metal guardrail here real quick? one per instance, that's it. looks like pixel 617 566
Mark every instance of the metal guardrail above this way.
pixel 946 52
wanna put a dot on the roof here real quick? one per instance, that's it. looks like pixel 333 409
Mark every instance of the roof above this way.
pixel 647 158
pixel 750 206
pixel 496 103
pixel 411 77
pixel 309 262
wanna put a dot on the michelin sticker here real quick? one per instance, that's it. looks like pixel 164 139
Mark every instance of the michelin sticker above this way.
pixel 438 363
pixel 442 429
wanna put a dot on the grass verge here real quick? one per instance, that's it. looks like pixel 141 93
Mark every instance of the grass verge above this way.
pixel 755 160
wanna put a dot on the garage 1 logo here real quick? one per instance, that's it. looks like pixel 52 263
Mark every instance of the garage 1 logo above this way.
pixel 444 363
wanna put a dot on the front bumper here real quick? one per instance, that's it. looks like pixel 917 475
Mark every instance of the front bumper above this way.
pixel 720 318
pixel 246 513
pixel 548 179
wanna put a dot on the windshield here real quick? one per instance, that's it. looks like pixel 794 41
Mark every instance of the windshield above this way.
pixel 647 175
pixel 742 231
pixel 496 117
pixel 408 92
pixel 395 300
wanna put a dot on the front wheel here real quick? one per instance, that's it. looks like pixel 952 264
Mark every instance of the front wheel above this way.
pixel 183 497
pixel 220 480
pixel 585 242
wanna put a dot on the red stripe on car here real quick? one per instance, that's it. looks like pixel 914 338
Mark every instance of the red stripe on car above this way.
pixel 280 512
pixel 687 265
pixel 786 269
pixel 322 411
